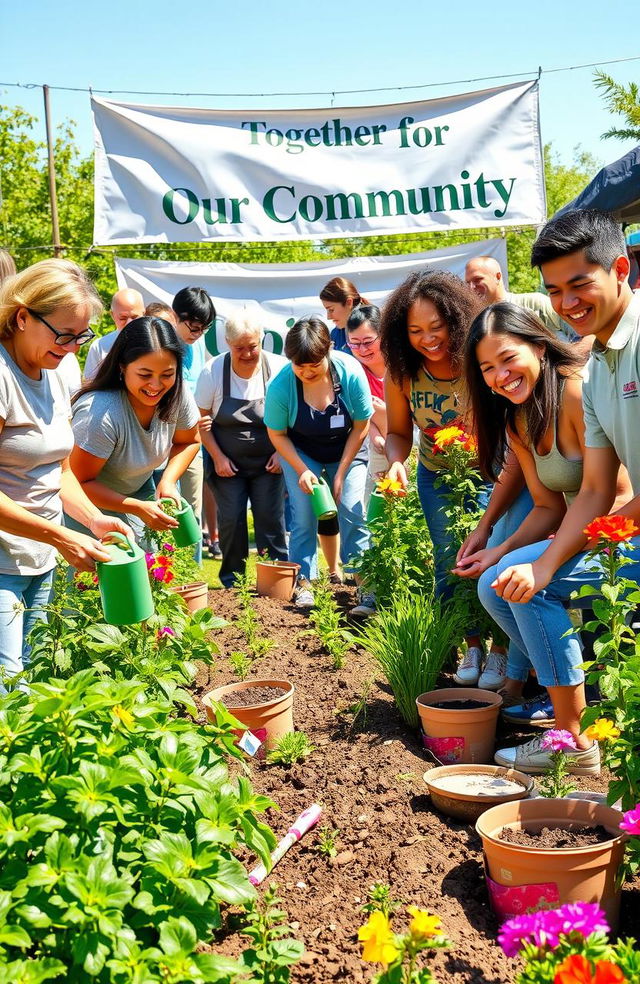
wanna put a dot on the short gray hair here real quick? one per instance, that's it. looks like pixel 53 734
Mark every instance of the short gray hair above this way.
pixel 242 324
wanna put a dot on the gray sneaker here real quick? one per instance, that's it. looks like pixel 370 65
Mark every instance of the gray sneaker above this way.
pixel 366 606
pixel 304 596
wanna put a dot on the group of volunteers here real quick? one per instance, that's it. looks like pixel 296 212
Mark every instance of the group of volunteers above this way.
pixel 545 382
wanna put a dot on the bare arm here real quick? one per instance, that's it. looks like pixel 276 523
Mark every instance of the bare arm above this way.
pixel 399 430
pixel 185 446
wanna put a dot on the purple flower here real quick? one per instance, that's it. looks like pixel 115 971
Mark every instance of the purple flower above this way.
pixel 545 927
pixel 631 821
pixel 515 932
pixel 584 918
pixel 166 631
pixel 168 547
pixel 559 741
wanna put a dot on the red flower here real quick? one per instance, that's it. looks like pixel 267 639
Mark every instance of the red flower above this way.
pixel 612 529
pixel 576 969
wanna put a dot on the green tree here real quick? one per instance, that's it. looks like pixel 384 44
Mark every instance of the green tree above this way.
pixel 622 101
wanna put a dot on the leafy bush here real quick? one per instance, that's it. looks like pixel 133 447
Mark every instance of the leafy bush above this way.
pixel 118 823
pixel 292 747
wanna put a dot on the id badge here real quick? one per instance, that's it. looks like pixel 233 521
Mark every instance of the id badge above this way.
pixel 337 421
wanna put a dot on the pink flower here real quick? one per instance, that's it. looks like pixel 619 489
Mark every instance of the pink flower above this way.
pixel 150 559
pixel 631 821
pixel 545 928
pixel 583 917
pixel 515 932
pixel 159 573
pixel 166 631
pixel 168 547
pixel 558 741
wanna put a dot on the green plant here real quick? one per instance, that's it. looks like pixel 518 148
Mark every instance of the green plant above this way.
pixel 247 620
pixel 290 748
pixel 400 952
pixel 556 782
pixel 326 619
pixel 327 841
pixel 119 824
pixel 358 710
pixel 379 899
pixel 274 951
pixel 411 640
pixel 240 663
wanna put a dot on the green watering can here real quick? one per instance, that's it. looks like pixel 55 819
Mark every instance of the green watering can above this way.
pixel 322 501
pixel 188 531
pixel 125 591
pixel 377 506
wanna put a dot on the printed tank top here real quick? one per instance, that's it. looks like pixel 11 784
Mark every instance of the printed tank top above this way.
pixel 434 404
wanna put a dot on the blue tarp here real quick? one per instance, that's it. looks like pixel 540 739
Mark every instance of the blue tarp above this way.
pixel 615 189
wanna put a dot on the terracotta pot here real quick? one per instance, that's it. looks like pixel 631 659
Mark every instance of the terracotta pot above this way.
pixel 193 595
pixel 456 798
pixel 523 878
pixel 458 736
pixel 268 721
pixel 276 580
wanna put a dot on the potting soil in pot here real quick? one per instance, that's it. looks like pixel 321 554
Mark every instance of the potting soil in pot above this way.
pixel 478 785
pixel 556 836
pixel 250 696
pixel 460 705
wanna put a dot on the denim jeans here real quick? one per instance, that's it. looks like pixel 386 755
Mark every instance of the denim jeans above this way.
pixel 354 535
pixel 147 491
pixel 539 627
pixel 22 600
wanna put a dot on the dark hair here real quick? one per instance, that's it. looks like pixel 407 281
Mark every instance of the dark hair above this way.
pixel 492 416
pixel 456 304
pixel 339 290
pixel 194 304
pixel 308 341
pixel 140 337
pixel 364 314
pixel 597 233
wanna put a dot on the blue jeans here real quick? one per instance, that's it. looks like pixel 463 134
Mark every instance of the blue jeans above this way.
pixel 147 491
pixel 22 600
pixel 539 626
pixel 354 535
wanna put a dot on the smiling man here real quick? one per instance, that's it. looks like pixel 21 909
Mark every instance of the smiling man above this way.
pixel 583 260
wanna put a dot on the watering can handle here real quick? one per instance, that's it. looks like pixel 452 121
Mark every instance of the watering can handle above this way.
pixel 119 539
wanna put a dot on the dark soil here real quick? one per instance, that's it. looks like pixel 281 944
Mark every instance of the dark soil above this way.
pixel 251 696
pixel 556 836
pixel 459 705
pixel 367 773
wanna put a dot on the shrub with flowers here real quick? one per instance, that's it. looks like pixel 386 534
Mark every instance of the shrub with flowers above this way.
pixel 569 945
pixel 555 784
pixel 399 952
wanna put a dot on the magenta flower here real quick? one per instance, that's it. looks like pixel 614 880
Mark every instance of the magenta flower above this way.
pixel 631 821
pixel 158 573
pixel 544 928
pixel 168 547
pixel 150 560
pixel 559 741
pixel 583 917
pixel 515 932
pixel 166 631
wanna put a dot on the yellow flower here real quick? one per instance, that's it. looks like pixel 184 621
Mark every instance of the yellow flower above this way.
pixel 447 435
pixel 123 715
pixel 379 941
pixel 423 923
pixel 390 486
pixel 602 730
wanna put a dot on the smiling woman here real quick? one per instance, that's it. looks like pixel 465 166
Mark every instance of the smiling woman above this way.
pixel 130 419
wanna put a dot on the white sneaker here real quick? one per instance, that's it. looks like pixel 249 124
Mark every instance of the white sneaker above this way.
pixel 469 669
pixel 304 596
pixel 366 606
pixel 494 672
pixel 533 759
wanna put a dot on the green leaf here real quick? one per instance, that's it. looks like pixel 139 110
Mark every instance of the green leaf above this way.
pixel 177 936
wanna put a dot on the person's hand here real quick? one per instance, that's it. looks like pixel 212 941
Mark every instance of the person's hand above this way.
pixel 520 583
pixel 168 490
pixel 307 480
pixel 80 550
pixel 338 483
pixel 224 466
pixel 204 424
pixel 273 465
pixel 475 564
pixel 153 515
pixel 379 443
pixel 378 404
pixel 101 525
pixel 398 473
pixel 477 540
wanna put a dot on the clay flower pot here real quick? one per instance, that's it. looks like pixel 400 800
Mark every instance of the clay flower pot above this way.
pixel 459 736
pixel 193 595
pixel 269 720
pixel 520 879
pixel 466 791
pixel 276 579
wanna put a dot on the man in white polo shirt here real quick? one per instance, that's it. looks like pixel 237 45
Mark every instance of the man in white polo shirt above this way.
pixel 583 260
pixel 126 305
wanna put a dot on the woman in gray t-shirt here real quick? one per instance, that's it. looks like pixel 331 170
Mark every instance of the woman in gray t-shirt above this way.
pixel 44 314
pixel 134 416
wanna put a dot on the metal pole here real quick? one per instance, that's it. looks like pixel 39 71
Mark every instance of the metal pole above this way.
pixel 55 228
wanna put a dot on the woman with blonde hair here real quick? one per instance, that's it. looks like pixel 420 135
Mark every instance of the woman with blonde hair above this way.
pixel 44 313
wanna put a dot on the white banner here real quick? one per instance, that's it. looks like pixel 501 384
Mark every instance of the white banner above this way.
pixel 165 174
pixel 280 293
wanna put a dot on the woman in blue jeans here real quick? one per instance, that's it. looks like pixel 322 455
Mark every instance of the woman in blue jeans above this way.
pixel 317 413
pixel 424 325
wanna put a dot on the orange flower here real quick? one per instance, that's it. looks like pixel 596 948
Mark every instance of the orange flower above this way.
pixel 444 437
pixel 576 969
pixel 612 529
pixel 390 486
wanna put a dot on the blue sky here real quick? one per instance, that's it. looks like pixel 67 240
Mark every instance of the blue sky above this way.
pixel 286 46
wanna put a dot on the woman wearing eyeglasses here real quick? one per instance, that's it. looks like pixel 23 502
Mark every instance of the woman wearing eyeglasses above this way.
pixel 44 314
pixel 363 340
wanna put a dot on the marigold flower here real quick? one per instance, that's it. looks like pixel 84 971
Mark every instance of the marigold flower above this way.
pixel 602 730
pixel 379 942
pixel 123 715
pixel 612 529
pixel 631 821
pixel 390 486
pixel 423 923
pixel 576 969
pixel 444 437
pixel 559 741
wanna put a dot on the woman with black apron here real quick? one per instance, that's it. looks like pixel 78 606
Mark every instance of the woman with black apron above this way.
pixel 231 391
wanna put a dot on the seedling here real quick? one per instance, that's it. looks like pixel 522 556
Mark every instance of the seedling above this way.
pixel 327 842
pixel 290 748
pixel 379 899
pixel 247 620
pixel 326 619
pixel 274 950
pixel 241 664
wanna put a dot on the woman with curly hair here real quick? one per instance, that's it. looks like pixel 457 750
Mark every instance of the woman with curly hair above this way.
pixel 423 331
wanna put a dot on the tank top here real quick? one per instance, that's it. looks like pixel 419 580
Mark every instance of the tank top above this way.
pixel 434 404
pixel 557 473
